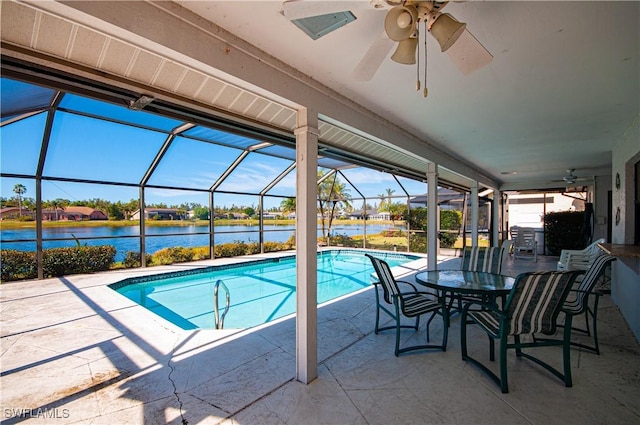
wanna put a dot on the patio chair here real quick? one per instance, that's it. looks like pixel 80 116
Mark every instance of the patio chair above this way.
pixel 524 243
pixel 579 259
pixel 483 259
pixel 577 302
pixel 533 306
pixel 412 303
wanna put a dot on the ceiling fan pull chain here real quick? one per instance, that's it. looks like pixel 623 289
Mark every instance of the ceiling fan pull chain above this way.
pixel 418 61
pixel 425 91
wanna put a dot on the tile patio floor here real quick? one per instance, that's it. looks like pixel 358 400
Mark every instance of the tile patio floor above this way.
pixel 74 351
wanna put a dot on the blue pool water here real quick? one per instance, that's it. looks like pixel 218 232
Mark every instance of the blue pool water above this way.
pixel 260 291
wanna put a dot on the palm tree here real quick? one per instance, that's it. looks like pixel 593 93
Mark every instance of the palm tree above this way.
pixel 394 210
pixel 56 204
pixel 331 194
pixel 19 189
pixel 390 207
pixel 288 205
pixel 389 193
pixel 382 198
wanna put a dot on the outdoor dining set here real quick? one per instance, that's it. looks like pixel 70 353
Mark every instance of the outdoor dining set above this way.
pixel 531 310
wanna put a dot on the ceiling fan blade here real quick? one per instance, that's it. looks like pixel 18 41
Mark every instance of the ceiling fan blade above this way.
pixel 298 9
pixel 468 54
pixel 374 57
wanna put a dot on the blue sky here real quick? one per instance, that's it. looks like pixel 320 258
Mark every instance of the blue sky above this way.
pixel 369 182
pixel 87 148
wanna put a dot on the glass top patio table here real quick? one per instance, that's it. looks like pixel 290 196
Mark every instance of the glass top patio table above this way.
pixel 466 282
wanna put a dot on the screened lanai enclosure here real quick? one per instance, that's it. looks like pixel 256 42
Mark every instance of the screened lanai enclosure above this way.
pixel 94 165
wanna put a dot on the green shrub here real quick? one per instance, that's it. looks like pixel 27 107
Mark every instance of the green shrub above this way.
pixel 181 254
pixel 132 260
pixel 342 240
pixel 449 220
pixel 276 246
pixel 82 259
pixel 231 249
pixel 253 248
pixel 394 233
pixel 167 256
pixel 16 265
pixel 172 255
pixel 201 253
pixel 418 242
pixel 448 240
pixel 562 231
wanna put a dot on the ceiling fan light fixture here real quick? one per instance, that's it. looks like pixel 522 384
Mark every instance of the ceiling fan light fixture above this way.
pixel 406 51
pixel 446 30
pixel 400 22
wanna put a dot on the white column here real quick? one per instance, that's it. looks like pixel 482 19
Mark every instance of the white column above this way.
pixel 495 217
pixel 475 213
pixel 306 246
pixel 433 216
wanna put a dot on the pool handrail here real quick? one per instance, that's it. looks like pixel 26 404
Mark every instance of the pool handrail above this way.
pixel 219 321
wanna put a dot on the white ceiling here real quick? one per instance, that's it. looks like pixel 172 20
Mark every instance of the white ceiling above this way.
pixel 562 89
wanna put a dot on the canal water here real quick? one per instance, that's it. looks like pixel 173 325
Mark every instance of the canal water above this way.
pixel 158 237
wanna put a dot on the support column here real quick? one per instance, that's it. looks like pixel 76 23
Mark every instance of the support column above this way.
pixel 306 246
pixel 495 218
pixel 474 214
pixel 143 228
pixel 433 216
pixel 39 256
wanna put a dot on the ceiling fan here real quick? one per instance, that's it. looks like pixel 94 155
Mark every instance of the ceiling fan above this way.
pixel 571 178
pixel 402 28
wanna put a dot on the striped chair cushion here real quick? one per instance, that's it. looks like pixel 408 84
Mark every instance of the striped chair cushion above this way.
pixel 533 304
pixel 577 305
pixel 489 320
pixel 386 278
pixel 482 259
pixel 415 304
pixel 412 303
pixel 535 300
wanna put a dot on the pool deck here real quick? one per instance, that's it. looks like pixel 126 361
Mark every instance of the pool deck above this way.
pixel 75 351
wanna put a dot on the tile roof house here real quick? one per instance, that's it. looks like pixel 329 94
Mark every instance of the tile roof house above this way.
pixel 359 214
pixel 157 214
pixel 14 212
pixel 74 213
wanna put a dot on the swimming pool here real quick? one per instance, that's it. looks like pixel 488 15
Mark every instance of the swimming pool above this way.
pixel 260 291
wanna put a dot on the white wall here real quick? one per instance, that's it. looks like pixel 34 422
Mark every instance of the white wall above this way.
pixel 625 288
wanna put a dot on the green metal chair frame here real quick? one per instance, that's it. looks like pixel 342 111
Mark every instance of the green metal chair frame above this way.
pixel 410 304
pixel 533 306
pixel 577 302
